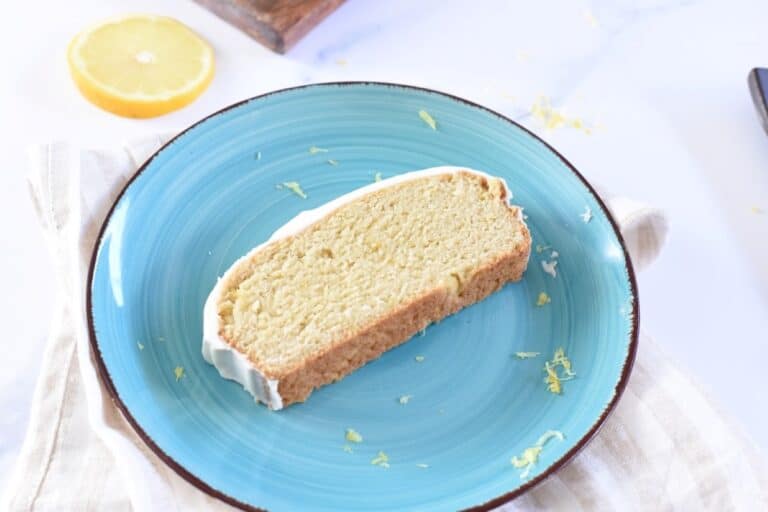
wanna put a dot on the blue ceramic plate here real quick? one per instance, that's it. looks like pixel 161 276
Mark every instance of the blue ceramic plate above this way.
pixel 210 195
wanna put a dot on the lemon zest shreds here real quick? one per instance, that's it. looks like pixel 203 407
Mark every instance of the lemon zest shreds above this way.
pixel 313 150
pixel 526 355
pixel 424 115
pixel 353 436
pixel 552 379
pixel 562 360
pixel 294 187
pixel 527 460
pixel 530 455
pixel 381 460
pixel 543 299
pixel 178 372
pixel 549 434
pixel 552 118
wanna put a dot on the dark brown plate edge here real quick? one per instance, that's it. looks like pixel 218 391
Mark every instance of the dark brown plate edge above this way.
pixel 489 505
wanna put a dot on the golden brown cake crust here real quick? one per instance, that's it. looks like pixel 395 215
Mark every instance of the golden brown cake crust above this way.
pixel 399 326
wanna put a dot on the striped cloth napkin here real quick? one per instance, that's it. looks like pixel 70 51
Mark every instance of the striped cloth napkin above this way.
pixel 665 447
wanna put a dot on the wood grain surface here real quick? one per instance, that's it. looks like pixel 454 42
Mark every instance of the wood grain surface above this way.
pixel 277 24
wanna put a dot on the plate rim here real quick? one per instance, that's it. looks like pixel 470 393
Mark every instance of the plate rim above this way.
pixel 200 484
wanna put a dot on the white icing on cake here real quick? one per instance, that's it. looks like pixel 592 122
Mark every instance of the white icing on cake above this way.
pixel 234 365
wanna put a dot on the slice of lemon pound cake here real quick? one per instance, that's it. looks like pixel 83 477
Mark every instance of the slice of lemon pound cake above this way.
pixel 338 286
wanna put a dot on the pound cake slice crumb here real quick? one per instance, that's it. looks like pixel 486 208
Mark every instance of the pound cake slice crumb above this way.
pixel 338 286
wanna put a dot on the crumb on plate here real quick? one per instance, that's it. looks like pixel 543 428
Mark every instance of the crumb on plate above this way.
pixel 549 267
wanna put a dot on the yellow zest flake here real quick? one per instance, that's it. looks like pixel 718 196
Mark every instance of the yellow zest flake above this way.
pixel 522 56
pixel 419 359
pixel 541 248
pixel 552 380
pixel 527 460
pixel 552 119
pixel 347 448
pixel 381 460
pixel 424 115
pixel 333 162
pixel 404 399
pixel 138 344
pixel 561 359
pixel 341 62
pixel 294 187
pixel 543 111
pixel 543 299
pixel 377 177
pixel 530 456
pixel 757 210
pixel 422 466
pixel 178 372
pixel 550 434
pixel 353 436
pixel 579 125
pixel 313 150
pixel 526 355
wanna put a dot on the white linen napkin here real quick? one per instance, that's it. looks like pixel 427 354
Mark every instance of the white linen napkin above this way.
pixel 665 447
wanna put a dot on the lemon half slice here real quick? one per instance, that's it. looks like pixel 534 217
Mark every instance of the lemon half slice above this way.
pixel 140 65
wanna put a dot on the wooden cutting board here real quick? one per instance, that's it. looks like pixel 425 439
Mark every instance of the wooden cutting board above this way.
pixel 277 24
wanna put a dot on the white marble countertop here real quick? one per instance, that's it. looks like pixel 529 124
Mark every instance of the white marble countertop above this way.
pixel 664 80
